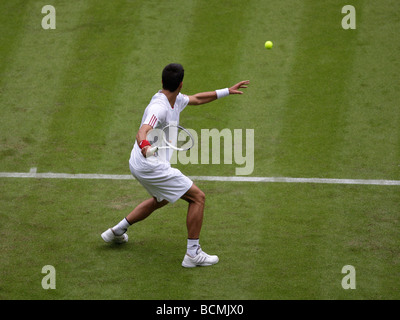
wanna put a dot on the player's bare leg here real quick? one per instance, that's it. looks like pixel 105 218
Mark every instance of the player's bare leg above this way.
pixel 143 210
pixel 194 255
pixel 196 199
pixel 118 234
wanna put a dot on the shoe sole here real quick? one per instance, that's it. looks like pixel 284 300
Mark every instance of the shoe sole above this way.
pixel 192 265
pixel 196 265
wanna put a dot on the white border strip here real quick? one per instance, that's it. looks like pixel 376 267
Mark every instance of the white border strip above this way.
pixel 300 180
pixel 49 175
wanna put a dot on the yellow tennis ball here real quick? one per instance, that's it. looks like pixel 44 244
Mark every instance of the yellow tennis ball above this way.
pixel 268 45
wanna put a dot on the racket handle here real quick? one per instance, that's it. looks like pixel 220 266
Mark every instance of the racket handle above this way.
pixel 151 151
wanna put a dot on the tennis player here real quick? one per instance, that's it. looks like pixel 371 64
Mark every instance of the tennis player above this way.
pixel 164 183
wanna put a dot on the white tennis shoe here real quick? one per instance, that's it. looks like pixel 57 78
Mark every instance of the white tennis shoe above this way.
pixel 202 259
pixel 109 236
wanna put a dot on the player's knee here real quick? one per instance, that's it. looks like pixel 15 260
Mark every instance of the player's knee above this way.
pixel 157 205
pixel 201 197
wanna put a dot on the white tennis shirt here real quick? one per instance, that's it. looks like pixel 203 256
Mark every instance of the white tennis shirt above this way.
pixel 158 114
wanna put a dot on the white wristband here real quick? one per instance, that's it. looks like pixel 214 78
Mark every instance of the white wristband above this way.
pixel 222 93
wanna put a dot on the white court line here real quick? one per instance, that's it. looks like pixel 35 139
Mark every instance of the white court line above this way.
pixel 49 175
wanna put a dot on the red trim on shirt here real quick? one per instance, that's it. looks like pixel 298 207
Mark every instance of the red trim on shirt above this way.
pixel 153 120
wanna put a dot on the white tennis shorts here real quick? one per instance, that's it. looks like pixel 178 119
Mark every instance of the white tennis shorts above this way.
pixel 163 182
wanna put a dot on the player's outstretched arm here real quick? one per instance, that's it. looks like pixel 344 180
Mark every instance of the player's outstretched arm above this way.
pixel 206 97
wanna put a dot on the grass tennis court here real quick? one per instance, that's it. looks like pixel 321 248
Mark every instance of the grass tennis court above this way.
pixel 323 103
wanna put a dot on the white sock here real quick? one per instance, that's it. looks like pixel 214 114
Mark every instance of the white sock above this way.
pixel 121 227
pixel 192 246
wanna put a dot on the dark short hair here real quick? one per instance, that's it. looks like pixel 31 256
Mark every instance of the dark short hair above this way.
pixel 172 76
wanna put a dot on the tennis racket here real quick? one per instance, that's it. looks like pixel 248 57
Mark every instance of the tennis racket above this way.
pixel 171 136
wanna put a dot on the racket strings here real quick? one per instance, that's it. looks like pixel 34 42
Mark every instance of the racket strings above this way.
pixel 178 137
pixel 175 137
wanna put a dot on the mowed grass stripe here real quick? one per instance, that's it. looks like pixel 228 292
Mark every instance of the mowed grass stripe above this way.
pixel 80 123
pixel 263 105
pixel 12 25
pixel 30 81
pixel 372 135
pixel 251 235
pixel 314 114
pixel 366 226
pixel 310 121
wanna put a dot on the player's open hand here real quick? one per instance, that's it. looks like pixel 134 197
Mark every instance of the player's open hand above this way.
pixel 235 89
